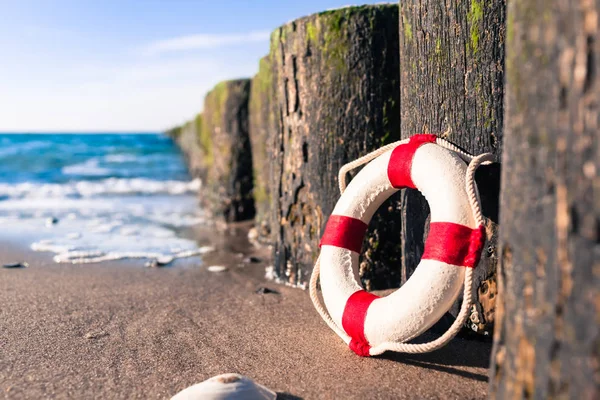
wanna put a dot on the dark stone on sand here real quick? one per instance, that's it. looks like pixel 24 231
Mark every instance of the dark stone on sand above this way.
pixel 15 265
pixel 252 260
pixel 336 98
pixel 154 263
pixel 266 290
pixel 51 221
pixel 452 74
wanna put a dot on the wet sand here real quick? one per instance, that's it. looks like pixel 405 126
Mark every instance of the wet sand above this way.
pixel 122 331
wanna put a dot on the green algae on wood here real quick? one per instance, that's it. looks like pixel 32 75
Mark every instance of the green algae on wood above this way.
pixel 174 133
pixel 204 141
pixel 475 16
pixel 186 138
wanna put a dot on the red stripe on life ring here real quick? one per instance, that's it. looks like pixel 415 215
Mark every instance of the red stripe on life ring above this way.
pixel 454 244
pixel 345 232
pixel 401 161
pixel 353 320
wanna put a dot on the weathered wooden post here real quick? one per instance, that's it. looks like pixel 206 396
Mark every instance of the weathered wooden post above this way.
pixel 547 344
pixel 216 147
pixel 226 155
pixel 452 63
pixel 337 98
pixel 262 128
pixel 186 137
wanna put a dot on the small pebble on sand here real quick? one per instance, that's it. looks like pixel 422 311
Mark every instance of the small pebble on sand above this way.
pixel 159 262
pixel 266 290
pixel 95 335
pixel 51 221
pixel 151 264
pixel 217 268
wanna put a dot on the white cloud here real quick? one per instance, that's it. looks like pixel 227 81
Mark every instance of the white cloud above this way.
pixel 137 96
pixel 205 41
pixel 124 90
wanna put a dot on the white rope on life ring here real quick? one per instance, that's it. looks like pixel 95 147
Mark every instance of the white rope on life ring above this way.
pixel 371 325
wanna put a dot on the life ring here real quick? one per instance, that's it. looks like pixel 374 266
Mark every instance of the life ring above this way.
pixel 371 324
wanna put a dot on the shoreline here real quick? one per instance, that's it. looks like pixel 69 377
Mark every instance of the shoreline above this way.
pixel 101 330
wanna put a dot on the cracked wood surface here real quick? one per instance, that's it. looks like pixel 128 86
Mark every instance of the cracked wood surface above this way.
pixel 548 343
pixel 452 72
pixel 337 98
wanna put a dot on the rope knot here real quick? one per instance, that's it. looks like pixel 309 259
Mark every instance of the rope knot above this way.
pixel 475 246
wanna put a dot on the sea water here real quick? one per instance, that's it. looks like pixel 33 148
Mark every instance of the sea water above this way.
pixel 93 197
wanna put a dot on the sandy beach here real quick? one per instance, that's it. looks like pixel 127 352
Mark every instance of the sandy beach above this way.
pixel 122 331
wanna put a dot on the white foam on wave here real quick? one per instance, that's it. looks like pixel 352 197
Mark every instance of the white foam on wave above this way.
pixel 88 168
pixel 99 229
pixel 85 240
pixel 121 158
pixel 104 187
pixel 21 148
pixel 37 206
pixel 85 249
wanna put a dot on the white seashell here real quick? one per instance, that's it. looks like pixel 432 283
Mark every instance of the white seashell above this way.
pixel 164 259
pixel 217 268
pixel 224 387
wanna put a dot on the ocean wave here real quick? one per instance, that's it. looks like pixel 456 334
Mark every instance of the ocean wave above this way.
pixel 110 165
pixel 121 158
pixel 9 149
pixel 88 168
pixel 105 187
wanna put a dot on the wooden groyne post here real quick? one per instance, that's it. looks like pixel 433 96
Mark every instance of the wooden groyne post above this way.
pixel 548 342
pixel 452 74
pixel 263 126
pixel 216 146
pixel 336 80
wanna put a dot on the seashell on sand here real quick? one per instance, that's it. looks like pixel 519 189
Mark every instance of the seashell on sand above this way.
pixel 225 387
pixel 217 268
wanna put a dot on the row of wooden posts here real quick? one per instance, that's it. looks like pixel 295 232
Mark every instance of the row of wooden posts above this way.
pixel 519 81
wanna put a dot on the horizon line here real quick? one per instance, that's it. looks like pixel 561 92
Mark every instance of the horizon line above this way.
pixel 84 132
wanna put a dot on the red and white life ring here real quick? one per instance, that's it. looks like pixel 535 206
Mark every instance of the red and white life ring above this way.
pixel 370 323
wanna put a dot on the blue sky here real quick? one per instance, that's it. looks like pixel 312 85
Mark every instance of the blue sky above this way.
pixel 91 65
